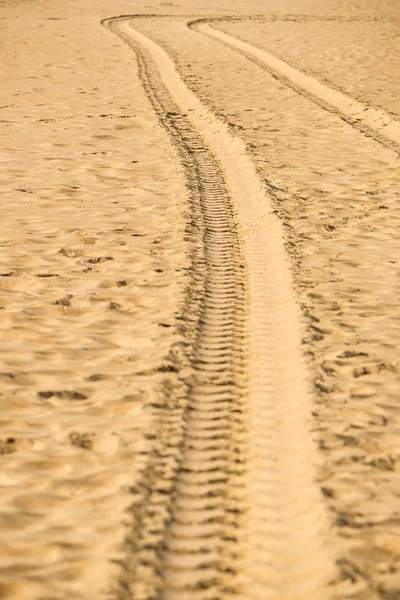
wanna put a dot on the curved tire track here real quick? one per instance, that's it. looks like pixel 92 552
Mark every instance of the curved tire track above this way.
pixel 185 517
pixel 372 122
pixel 228 506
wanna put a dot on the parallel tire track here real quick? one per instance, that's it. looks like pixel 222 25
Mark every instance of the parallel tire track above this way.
pixel 228 505
pixel 373 122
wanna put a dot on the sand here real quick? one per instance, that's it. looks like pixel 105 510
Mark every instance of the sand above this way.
pixel 92 245
pixel 199 300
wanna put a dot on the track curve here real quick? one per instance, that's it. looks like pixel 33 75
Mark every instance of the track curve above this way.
pixel 373 122
pixel 228 506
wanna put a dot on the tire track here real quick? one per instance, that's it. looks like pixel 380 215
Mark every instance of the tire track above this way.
pixel 185 518
pixel 228 505
pixel 372 122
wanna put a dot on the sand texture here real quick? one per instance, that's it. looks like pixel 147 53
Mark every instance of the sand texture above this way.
pixel 199 294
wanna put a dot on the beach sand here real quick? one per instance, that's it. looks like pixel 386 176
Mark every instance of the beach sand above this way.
pixel 199 289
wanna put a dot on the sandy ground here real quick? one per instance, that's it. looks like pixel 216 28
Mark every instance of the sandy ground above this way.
pixel 92 244
pixel 199 301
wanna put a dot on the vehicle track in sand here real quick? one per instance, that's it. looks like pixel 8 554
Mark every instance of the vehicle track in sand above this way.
pixel 228 505
pixel 189 516
pixel 373 122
